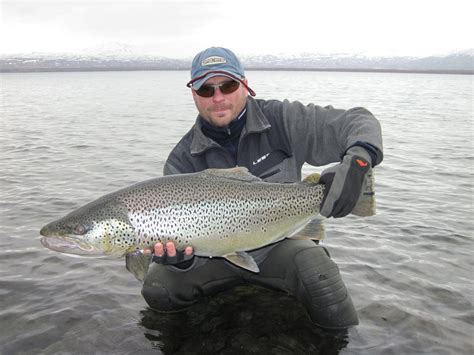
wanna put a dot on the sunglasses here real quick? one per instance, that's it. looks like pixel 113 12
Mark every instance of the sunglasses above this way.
pixel 227 87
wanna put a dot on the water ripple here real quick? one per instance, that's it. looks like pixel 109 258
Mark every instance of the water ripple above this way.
pixel 409 269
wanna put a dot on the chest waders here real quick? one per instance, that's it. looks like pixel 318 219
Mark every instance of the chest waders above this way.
pixel 298 267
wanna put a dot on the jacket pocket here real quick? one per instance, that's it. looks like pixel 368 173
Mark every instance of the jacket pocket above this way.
pixel 264 165
pixel 279 170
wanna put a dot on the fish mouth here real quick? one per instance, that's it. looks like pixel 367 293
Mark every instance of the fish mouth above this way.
pixel 68 245
pixel 65 243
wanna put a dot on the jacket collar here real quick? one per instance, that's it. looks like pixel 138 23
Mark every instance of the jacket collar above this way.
pixel 256 122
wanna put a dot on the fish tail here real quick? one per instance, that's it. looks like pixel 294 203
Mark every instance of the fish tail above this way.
pixel 366 204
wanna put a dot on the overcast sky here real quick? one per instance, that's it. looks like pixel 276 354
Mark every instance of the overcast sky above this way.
pixel 178 28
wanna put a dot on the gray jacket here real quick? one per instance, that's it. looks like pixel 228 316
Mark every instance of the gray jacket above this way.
pixel 279 137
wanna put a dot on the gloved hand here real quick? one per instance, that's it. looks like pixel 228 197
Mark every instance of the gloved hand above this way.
pixel 344 183
pixel 170 256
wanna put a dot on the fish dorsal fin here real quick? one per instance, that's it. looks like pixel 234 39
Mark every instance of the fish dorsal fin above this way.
pixel 243 260
pixel 314 230
pixel 238 173
pixel 312 179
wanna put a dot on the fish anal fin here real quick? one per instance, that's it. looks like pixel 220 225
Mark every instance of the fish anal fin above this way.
pixel 243 260
pixel 314 230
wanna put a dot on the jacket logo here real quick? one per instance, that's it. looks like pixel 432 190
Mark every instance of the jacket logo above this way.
pixel 213 60
pixel 259 160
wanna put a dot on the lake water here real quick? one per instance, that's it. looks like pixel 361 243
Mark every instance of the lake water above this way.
pixel 68 138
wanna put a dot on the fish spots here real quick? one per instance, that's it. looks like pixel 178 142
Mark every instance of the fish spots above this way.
pixel 194 209
pixel 189 208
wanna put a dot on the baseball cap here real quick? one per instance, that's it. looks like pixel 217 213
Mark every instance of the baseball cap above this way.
pixel 216 61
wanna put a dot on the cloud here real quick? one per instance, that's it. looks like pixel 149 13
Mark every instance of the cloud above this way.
pixel 182 27
pixel 73 24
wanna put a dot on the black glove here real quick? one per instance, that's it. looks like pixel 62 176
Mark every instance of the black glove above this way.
pixel 180 260
pixel 344 183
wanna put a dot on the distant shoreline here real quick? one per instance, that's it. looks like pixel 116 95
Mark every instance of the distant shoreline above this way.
pixel 355 70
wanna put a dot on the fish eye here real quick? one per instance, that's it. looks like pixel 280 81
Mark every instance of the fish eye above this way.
pixel 79 229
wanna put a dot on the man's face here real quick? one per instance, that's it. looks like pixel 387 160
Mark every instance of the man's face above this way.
pixel 220 109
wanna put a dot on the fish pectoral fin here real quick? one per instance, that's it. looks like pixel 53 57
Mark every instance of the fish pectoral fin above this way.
pixel 138 263
pixel 243 260
pixel 314 230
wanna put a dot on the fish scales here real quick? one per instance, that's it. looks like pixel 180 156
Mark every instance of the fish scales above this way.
pixel 216 209
pixel 220 212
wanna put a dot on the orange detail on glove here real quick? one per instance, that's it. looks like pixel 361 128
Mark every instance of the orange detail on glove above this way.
pixel 361 163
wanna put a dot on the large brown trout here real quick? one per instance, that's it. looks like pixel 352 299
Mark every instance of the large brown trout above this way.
pixel 221 213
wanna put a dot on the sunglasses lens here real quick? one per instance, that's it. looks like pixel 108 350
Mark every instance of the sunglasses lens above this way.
pixel 229 87
pixel 205 91
pixel 226 88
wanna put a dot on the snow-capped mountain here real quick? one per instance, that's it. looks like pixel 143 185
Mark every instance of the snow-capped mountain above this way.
pixel 117 56
pixel 455 61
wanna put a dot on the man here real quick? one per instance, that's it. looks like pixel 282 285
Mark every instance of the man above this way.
pixel 273 139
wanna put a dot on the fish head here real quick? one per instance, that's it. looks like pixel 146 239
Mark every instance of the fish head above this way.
pixel 94 229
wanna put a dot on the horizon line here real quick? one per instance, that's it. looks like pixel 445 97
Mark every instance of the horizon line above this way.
pixel 354 70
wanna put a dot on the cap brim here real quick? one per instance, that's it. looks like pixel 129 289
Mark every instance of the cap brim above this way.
pixel 198 83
